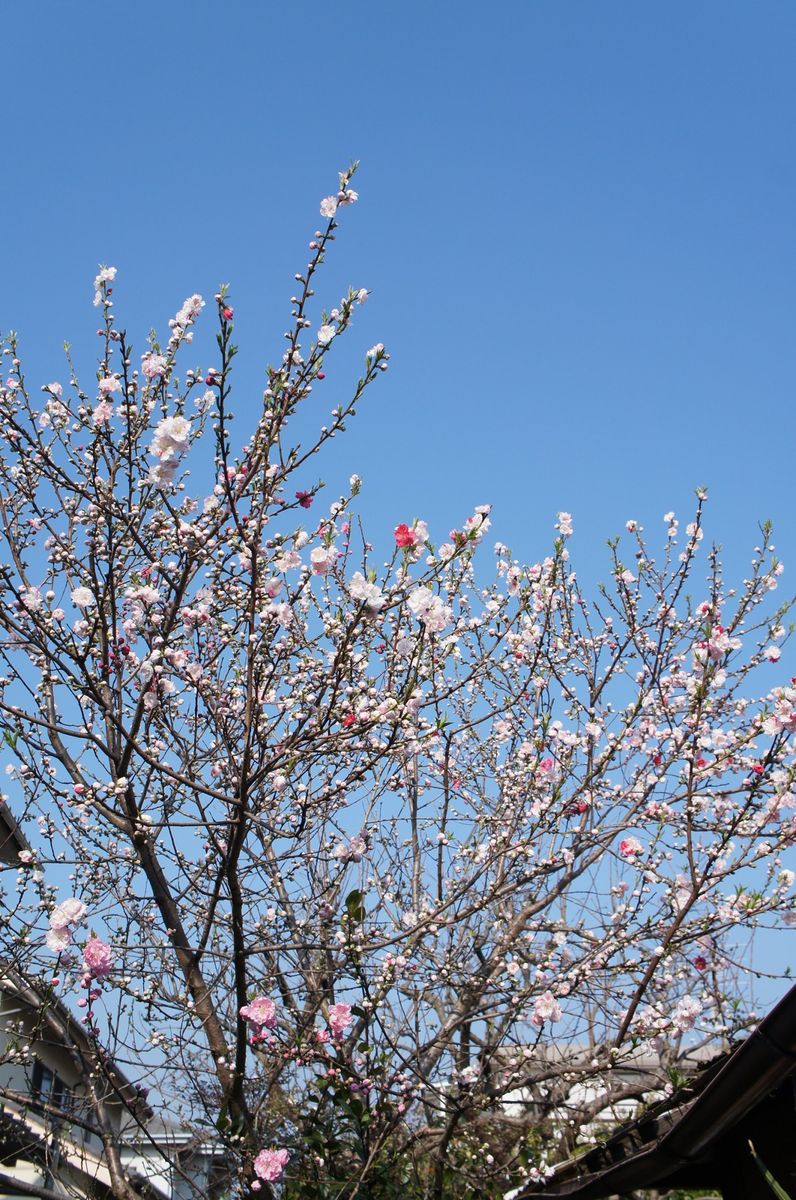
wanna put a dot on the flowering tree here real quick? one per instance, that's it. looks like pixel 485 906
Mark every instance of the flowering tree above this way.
pixel 336 855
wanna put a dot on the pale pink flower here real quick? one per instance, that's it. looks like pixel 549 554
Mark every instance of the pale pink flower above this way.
pixel 105 275
pixel 83 597
pixel 323 559
pixel 340 1019
pixel 270 1164
pixel 108 386
pixel 325 334
pixel 68 912
pixel 564 524
pixel 546 1008
pixel 189 311
pixel 102 413
pixel 97 958
pixel 171 438
pixel 629 847
pixel 351 851
pixel 153 365
pixel 57 939
pixel 31 599
pixel 328 207
pixel 685 1013
pixel 430 609
pixel 366 593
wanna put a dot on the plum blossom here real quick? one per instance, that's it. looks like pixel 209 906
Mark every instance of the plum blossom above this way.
pixel 717 645
pixel 685 1013
pixel 366 593
pixel 564 524
pixel 783 718
pixel 408 537
pixel 351 851
pixel 153 365
pixel 328 207
pixel 323 559
pixel 629 847
pixel 102 414
pixel 270 1164
pixel 340 1019
pixel 108 385
pixel 189 311
pixel 68 912
pixel 169 443
pixel 171 437
pixel 430 609
pixel 97 958
pixel 83 597
pixel 31 599
pixel 62 918
pixel 105 275
pixel 546 1008
pixel 325 334
pixel 261 1013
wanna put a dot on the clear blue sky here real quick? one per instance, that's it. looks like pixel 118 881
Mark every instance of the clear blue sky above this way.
pixel 577 222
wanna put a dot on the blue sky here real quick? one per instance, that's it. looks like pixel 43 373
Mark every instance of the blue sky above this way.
pixel 576 222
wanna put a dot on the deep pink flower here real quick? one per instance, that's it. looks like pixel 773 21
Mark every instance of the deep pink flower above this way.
pixel 340 1018
pixel 304 499
pixel 261 1013
pixel 404 537
pixel 97 958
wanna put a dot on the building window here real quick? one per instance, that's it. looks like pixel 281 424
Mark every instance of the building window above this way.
pixel 49 1088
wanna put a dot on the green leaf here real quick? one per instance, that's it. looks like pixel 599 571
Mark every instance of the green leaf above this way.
pixel 776 1188
pixel 354 905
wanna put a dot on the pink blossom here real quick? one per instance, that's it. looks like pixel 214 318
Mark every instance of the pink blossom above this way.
pixel 153 365
pixel 564 524
pixel 105 275
pixel 329 207
pixel 546 1008
pixel 31 599
pixel 340 1019
pixel 97 958
pixel 108 386
pixel 83 597
pixel 629 847
pixel 171 438
pixel 685 1013
pixel 323 559
pixel 270 1164
pixel 366 593
pixel 261 1013
pixel 57 939
pixel 68 912
pixel 304 499
pixel 430 609
pixel 404 537
pixel 190 311
pixel 102 413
